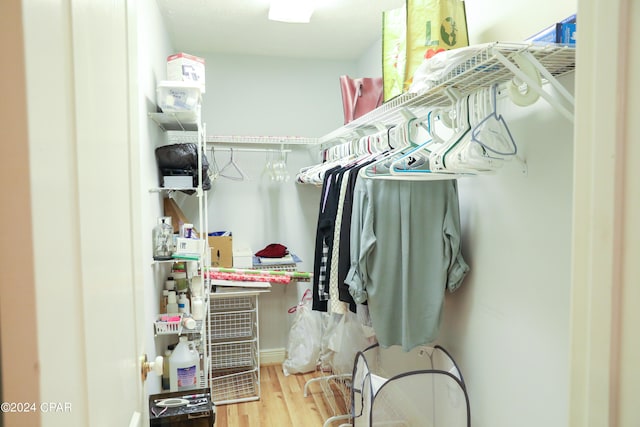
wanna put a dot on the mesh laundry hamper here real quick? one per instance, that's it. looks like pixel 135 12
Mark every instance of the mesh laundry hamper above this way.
pixel 434 397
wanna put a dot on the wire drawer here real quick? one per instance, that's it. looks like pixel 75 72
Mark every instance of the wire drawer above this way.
pixel 243 302
pixel 228 355
pixel 235 387
pixel 225 326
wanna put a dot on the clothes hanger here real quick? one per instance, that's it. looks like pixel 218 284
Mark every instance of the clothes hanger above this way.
pixel 421 171
pixel 214 169
pixel 439 157
pixel 233 166
pixel 498 145
pixel 466 156
pixel 379 169
pixel 492 132
pixel 336 155
pixel 417 157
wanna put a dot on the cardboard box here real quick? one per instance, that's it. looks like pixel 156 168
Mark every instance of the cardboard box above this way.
pixel 561 32
pixel 178 218
pixel 186 68
pixel 221 251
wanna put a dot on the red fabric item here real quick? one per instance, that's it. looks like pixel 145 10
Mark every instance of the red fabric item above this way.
pixel 274 250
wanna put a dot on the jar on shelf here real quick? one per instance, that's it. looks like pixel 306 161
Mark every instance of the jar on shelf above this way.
pixel 163 239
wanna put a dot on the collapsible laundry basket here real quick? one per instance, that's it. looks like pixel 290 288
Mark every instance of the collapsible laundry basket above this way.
pixel 433 397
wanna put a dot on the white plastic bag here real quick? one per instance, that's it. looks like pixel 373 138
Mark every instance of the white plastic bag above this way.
pixel 303 351
pixel 347 339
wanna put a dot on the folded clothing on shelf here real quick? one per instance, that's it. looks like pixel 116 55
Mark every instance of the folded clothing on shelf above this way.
pixel 274 250
pixel 290 259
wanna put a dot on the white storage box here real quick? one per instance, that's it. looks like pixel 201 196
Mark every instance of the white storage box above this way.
pixel 186 68
pixel 189 246
pixel 242 258
pixel 176 96
pixel 178 181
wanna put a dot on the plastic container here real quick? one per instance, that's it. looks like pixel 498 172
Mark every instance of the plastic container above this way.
pixel 168 324
pixel 197 308
pixel 184 373
pixel 197 286
pixel 172 303
pixel 182 284
pixel 189 323
pixel 174 96
pixel 184 306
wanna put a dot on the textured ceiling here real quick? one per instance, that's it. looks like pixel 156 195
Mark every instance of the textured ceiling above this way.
pixel 339 29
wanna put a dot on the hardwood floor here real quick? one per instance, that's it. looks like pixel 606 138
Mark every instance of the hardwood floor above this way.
pixel 283 404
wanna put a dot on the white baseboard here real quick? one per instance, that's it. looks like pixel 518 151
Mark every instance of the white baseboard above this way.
pixel 272 356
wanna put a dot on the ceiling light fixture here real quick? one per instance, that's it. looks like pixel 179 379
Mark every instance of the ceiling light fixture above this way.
pixel 295 11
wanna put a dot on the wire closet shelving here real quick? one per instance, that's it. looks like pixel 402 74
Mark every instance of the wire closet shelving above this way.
pixel 492 63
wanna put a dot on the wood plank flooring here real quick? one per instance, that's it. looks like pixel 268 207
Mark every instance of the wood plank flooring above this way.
pixel 282 403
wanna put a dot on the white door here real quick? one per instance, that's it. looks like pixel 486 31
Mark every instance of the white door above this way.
pixel 85 211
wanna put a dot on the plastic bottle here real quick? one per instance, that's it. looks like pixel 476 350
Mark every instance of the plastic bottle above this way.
pixel 162 240
pixel 197 286
pixel 197 308
pixel 172 304
pixel 184 371
pixel 166 368
pixel 183 304
pixel 189 322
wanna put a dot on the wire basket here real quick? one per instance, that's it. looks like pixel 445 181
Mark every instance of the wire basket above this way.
pixel 240 354
pixel 234 387
pixel 225 326
pixel 245 302
pixel 166 327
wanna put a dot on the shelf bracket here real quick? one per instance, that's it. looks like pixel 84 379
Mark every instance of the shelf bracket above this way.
pixel 554 102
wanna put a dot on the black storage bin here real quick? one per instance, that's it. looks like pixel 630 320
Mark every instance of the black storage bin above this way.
pixel 203 414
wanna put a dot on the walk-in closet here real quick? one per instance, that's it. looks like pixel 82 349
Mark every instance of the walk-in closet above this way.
pixel 532 325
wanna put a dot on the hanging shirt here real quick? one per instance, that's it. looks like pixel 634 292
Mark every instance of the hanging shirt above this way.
pixel 324 239
pixel 405 251
pixel 344 261
pixel 337 306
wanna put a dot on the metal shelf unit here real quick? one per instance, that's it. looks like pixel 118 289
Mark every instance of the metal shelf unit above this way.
pixel 189 124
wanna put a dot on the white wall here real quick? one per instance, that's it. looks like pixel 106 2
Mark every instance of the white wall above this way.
pixel 508 325
pixel 153 47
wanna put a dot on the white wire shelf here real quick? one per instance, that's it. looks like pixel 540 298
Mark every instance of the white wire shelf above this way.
pixel 178 121
pixel 261 140
pixel 484 69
